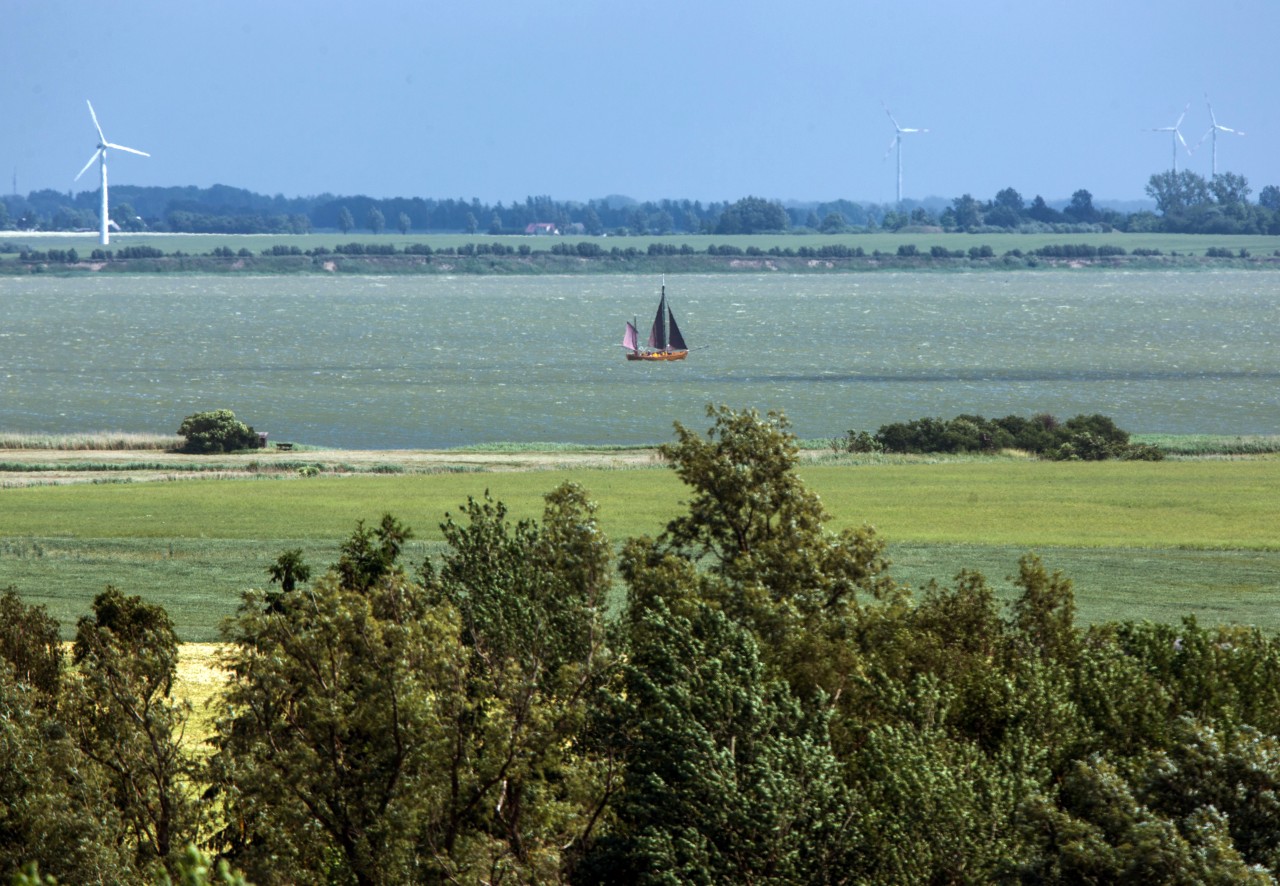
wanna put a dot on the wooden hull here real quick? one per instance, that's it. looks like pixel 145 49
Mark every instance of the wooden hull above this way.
pixel 658 356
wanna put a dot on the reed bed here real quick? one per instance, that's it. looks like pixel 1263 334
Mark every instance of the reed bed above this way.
pixel 98 440
pixel 1211 444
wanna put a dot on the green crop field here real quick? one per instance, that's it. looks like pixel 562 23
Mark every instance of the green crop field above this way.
pixel 1140 540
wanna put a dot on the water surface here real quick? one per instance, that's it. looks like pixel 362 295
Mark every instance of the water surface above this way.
pixel 426 362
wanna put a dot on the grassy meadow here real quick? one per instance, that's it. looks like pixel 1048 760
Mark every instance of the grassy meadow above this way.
pixel 1140 540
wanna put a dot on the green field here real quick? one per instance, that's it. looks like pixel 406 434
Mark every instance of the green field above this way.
pixel 1140 540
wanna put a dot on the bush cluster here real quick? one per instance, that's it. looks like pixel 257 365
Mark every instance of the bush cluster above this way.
pixel 1084 437
pixel 216 431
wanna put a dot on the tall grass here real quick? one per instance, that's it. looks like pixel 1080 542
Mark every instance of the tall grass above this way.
pixel 98 440
pixel 1211 444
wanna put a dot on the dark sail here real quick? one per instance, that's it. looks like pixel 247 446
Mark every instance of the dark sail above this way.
pixel 677 340
pixel 658 332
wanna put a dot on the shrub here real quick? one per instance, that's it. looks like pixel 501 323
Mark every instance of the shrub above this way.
pixel 856 441
pixel 1085 437
pixel 216 431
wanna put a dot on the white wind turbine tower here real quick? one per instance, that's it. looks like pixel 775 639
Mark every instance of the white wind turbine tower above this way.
pixel 1213 131
pixel 898 133
pixel 101 156
pixel 1177 136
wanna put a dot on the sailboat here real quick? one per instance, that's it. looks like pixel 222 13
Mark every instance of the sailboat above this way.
pixel 665 341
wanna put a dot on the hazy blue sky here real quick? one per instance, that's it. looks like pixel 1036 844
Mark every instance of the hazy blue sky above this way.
pixel 577 99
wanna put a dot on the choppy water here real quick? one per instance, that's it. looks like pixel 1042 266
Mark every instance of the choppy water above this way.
pixel 436 362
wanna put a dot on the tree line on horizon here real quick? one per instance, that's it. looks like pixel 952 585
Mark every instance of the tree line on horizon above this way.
pixel 1185 202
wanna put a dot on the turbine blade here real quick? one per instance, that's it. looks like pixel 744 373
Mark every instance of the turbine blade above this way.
pixel 1229 129
pixel 891 120
pixel 96 155
pixel 123 148
pixel 1183 140
pixel 892 145
pixel 101 137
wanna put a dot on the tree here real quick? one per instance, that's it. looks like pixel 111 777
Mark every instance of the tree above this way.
pixel 56 810
pixel 1100 831
pixel 1269 198
pixel 1080 209
pixel 376 221
pixel 127 722
pixel 752 215
pixel 1044 614
pixel 345 221
pixel 771 565
pixel 216 431
pixel 1009 199
pixel 726 779
pixel 833 223
pixel 922 217
pixel 1043 212
pixel 31 645
pixel 1230 189
pixel 967 212
pixel 288 570
pixel 403 222
pixel 1177 192
pixel 661 222
pixel 528 781
pixel 381 729
pixel 126 217
pixel 328 758
pixel 749 510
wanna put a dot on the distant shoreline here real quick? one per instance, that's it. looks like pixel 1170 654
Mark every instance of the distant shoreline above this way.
pixel 907 250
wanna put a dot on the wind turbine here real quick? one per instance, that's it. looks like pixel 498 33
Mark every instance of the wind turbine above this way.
pixel 1213 130
pixel 898 133
pixel 1177 136
pixel 101 156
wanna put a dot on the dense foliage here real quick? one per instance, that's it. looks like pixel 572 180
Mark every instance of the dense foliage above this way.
pixel 766 705
pixel 1082 438
pixel 1186 203
pixel 216 431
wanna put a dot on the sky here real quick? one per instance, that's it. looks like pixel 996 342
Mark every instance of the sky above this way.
pixel 710 100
